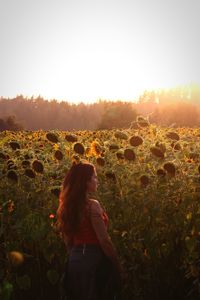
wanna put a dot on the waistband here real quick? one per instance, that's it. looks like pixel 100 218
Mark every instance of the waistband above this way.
pixel 86 246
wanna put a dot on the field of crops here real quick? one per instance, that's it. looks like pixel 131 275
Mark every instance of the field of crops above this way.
pixel 149 184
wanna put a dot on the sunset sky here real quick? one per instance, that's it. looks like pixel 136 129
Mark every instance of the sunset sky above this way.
pixel 83 50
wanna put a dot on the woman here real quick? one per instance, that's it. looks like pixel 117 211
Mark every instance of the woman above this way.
pixel 93 269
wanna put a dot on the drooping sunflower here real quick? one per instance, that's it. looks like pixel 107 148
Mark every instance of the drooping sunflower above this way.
pixel 58 155
pixel 170 168
pixel 157 152
pixel 129 154
pixel 37 166
pixel 79 148
pixel 12 175
pixel 136 141
pixel 52 137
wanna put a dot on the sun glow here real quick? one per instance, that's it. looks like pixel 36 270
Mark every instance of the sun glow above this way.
pixel 85 52
pixel 101 70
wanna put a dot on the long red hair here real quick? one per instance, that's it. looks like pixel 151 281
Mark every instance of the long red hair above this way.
pixel 72 199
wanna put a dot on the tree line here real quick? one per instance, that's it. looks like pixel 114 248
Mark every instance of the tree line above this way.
pixel 180 107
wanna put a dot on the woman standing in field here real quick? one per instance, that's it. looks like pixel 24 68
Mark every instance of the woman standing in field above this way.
pixel 93 269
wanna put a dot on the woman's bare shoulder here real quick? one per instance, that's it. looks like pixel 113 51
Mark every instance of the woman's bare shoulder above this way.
pixel 94 202
pixel 95 205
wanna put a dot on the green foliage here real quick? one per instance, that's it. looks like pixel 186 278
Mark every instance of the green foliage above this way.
pixel 151 197
pixel 24 282
pixel 6 290
pixel 52 276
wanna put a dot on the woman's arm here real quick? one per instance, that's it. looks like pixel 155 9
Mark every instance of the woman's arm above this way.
pixel 68 243
pixel 102 234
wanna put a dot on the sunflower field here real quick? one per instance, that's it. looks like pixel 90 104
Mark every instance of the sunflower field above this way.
pixel 149 185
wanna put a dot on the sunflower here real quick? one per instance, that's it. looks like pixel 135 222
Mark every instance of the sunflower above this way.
pixel 14 145
pixel 79 148
pixel 121 135
pixel 136 141
pixel 129 154
pixel 120 154
pixel 15 258
pixel 161 172
pixel 95 148
pixel 113 147
pixel 142 122
pixel 12 175
pixel 170 168
pixel 52 137
pixel 111 175
pixel 58 155
pixel 56 191
pixel 37 166
pixel 72 138
pixel 173 136
pixel 144 180
pixel 2 156
pixel 25 163
pixel 156 151
pixel 29 173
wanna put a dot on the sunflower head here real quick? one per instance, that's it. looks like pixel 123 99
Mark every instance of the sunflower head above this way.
pixel 142 122
pixel 173 136
pixel 120 154
pixel 170 168
pixel 26 163
pixel 129 154
pixel 52 137
pixel 58 155
pixel 161 146
pixel 113 147
pixel 15 258
pixel 111 175
pixel 121 135
pixel 29 173
pixel 95 149
pixel 55 191
pixel 3 156
pixel 144 180
pixel 72 138
pixel 14 145
pixel 176 146
pixel 136 141
pixel 156 151
pixel 79 148
pixel 12 175
pixel 161 173
pixel 37 166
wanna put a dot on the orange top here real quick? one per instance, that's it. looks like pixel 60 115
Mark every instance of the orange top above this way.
pixel 86 234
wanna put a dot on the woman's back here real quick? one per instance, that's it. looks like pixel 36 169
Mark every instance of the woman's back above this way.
pixel 86 233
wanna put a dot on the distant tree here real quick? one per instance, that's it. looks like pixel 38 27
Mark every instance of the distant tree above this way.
pixel 10 124
pixel 160 106
pixel 149 97
pixel 2 125
pixel 117 115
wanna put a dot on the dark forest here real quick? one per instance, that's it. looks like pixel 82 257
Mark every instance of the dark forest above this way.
pixel 179 107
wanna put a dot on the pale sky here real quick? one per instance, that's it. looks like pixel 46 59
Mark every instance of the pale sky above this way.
pixel 83 50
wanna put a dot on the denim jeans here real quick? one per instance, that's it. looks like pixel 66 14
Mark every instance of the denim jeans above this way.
pixel 82 269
